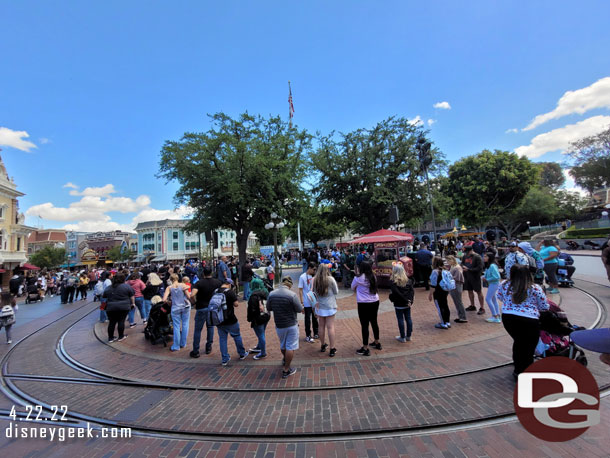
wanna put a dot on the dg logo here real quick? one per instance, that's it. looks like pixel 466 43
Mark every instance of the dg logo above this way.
pixel 557 399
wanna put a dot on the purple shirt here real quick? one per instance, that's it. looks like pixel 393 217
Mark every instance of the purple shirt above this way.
pixel 362 287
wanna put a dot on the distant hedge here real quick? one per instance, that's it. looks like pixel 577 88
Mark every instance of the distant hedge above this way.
pixel 594 232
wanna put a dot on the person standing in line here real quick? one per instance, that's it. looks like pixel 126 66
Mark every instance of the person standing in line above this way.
pixel 402 296
pixel 513 257
pixel 202 292
pixel 246 277
pixel 492 276
pixel 230 324
pixel 549 254
pixel 223 270
pixel 305 281
pixel 439 295
pixel 522 300
pixel 326 290
pixel 285 305
pixel 181 311
pixel 472 265
pixel 456 294
pixel 367 298
pixel 423 258
pixel 138 286
pixel 258 318
pixel 120 298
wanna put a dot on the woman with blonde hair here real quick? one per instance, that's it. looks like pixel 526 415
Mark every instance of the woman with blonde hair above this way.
pixel 326 290
pixel 456 294
pixel 402 295
pixel 181 310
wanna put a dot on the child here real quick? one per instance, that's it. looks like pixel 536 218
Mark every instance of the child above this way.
pixel 8 307
pixel 439 295
pixel 187 282
pixel 492 275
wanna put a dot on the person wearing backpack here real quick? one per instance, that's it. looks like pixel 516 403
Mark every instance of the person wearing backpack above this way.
pixel 8 307
pixel 402 295
pixel 456 294
pixel 440 294
pixel 492 276
pixel 258 318
pixel 534 260
pixel 222 314
pixel 201 295
pixel 181 310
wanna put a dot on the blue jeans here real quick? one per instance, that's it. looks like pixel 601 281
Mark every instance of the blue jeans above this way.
pixel 246 290
pixel 492 300
pixel 201 317
pixel 180 319
pixel 140 305
pixel 131 316
pixel 103 316
pixel 402 316
pixel 146 307
pixel 260 333
pixel 223 334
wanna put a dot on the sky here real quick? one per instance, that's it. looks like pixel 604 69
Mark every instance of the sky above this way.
pixel 90 91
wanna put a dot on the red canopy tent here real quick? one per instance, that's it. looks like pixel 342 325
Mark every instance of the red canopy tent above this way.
pixel 27 266
pixel 383 235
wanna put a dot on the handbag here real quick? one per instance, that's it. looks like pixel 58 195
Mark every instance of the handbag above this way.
pixel 103 305
pixel 262 318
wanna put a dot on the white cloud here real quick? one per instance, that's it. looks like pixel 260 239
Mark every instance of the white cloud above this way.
pixel 416 120
pixel 570 186
pixel 560 139
pixel 431 121
pixel 44 141
pixel 69 184
pixel 511 131
pixel 94 192
pixel 580 101
pixel 442 105
pixel 152 214
pixel 15 139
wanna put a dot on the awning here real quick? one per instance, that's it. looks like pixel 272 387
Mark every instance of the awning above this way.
pixel 28 266
pixel 159 258
pixel 382 236
pixel 140 258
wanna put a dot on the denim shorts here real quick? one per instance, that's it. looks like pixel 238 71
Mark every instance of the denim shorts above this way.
pixel 289 337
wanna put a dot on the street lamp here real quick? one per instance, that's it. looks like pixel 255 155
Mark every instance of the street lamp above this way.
pixel 425 159
pixel 275 225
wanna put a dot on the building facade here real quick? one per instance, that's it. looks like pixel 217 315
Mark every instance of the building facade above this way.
pixel 75 245
pixel 102 242
pixel 42 238
pixel 13 231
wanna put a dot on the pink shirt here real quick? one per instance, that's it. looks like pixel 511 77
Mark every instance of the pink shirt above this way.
pixel 138 286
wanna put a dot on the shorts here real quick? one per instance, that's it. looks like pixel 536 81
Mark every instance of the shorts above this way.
pixel 472 283
pixel 289 337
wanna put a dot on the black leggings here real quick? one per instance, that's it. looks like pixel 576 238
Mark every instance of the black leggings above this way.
pixel 367 313
pixel 525 333
pixel 116 317
pixel 440 296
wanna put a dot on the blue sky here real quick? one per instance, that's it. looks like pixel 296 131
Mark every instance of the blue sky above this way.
pixel 97 87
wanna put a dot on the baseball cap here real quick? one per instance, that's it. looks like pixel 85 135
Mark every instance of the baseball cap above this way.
pixel 229 281
pixel 513 243
pixel 597 340
pixel 287 281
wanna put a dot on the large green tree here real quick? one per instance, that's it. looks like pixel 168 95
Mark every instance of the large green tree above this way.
pixel 317 223
pixel 591 157
pixel 485 186
pixel 363 173
pixel 551 175
pixel 538 207
pixel 49 257
pixel 237 173
pixel 116 254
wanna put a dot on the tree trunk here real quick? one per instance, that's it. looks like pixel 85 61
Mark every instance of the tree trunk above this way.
pixel 241 236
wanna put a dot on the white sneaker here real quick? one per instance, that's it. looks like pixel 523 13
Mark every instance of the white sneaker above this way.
pixel 8 342
pixel 401 339
pixel 309 339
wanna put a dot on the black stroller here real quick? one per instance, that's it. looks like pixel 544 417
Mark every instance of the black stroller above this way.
pixel 32 294
pixel 159 325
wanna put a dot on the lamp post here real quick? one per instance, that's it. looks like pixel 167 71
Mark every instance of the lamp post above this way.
pixel 529 232
pixel 275 224
pixel 425 159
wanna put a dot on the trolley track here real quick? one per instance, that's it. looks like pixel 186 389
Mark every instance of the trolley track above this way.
pixel 97 378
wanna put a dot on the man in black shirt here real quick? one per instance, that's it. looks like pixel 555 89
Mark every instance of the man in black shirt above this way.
pixel 246 277
pixel 230 325
pixel 472 265
pixel 201 294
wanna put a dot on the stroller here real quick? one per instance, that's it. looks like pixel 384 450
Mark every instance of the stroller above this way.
pixel 159 325
pixel 555 330
pixel 32 294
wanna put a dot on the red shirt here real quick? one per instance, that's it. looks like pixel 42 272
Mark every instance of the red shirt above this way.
pixel 138 286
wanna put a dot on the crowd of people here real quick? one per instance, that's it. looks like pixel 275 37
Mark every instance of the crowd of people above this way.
pixel 513 273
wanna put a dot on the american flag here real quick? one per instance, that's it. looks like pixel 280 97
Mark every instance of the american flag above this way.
pixel 290 105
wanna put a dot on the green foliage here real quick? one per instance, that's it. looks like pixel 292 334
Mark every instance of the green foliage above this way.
pixel 238 173
pixel 594 232
pixel 317 223
pixel 115 254
pixel 362 173
pixel 568 204
pixel 486 186
pixel 551 175
pixel 591 156
pixel 49 257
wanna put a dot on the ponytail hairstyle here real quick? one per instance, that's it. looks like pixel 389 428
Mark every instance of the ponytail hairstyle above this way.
pixel 366 269
pixel 520 282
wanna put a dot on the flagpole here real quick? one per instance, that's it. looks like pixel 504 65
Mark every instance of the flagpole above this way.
pixel 289 105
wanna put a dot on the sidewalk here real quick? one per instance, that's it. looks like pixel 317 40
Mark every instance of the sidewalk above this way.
pixel 595 253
